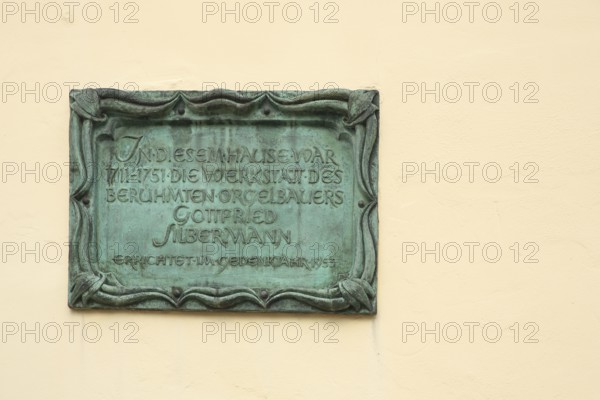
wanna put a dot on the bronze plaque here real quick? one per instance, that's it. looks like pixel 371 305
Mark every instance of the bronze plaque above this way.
pixel 223 200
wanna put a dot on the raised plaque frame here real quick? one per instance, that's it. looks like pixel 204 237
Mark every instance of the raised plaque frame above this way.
pixel 356 111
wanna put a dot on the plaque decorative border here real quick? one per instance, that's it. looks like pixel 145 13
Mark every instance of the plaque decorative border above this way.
pixel 90 288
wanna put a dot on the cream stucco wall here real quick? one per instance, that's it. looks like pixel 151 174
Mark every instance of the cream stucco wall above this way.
pixel 370 47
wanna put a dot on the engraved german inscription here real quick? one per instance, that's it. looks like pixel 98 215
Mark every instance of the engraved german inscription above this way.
pixel 262 201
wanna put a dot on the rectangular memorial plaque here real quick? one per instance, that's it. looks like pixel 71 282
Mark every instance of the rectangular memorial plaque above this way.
pixel 223 200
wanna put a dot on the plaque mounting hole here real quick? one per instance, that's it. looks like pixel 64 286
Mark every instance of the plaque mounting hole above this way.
pixel 266 111
pixel 86 200
pixel 361 204
pixel 264 294
pixel 176 292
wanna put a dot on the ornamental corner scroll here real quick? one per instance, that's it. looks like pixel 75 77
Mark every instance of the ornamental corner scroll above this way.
pixel 224 200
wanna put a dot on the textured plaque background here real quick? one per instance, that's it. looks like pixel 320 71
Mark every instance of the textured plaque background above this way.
pixel 260 201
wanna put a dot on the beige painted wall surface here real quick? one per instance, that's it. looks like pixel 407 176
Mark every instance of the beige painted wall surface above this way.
pixel 547 312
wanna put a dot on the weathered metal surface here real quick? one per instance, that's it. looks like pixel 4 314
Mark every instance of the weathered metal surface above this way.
pixel 221 200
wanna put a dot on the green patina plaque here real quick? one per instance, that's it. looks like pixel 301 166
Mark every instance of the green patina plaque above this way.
pixel 223 200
